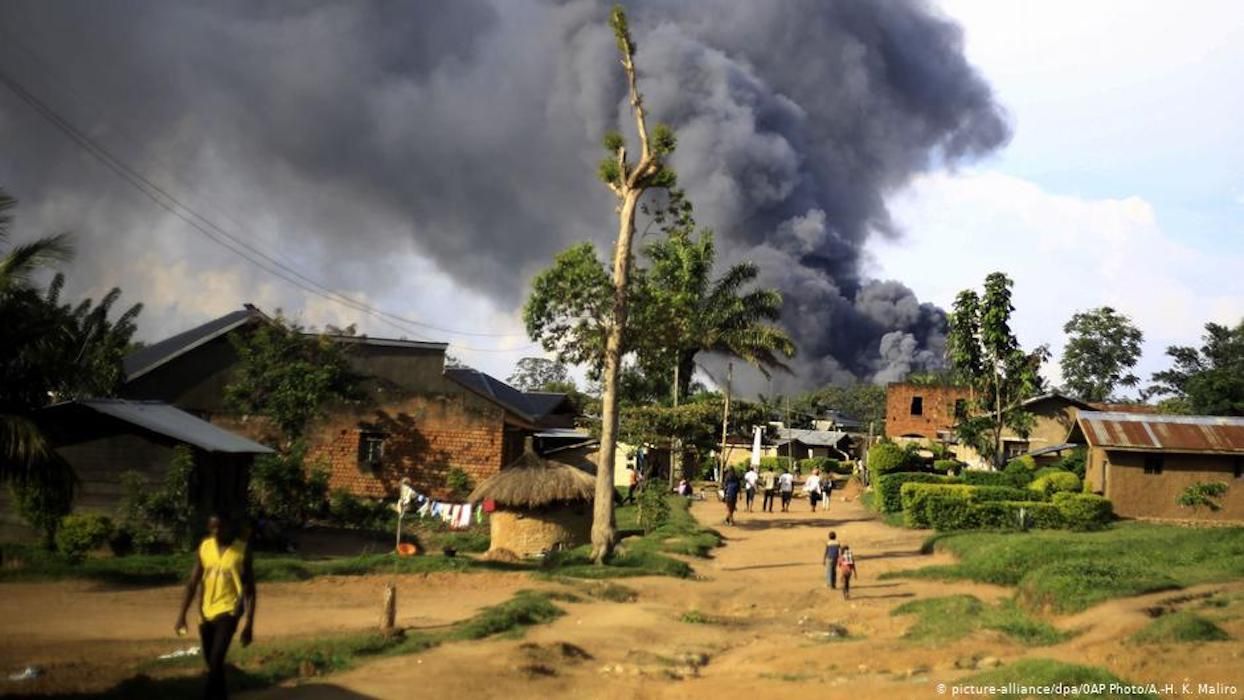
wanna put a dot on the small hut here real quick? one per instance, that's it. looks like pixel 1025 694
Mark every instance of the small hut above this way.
pixel 541 504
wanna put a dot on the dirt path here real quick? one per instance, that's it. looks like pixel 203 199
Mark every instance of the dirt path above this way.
pixel 763 595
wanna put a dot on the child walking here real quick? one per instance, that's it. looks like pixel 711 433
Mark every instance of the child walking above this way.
pixel 830 560
pixel 846 569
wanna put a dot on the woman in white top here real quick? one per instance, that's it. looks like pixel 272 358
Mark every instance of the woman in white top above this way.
pixel 812 487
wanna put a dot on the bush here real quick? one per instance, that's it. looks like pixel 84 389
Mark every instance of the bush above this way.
pixel 984 494
pixel 282 488
pixel 1084 511
pixel 778 464
pixel 459 482
pixel 79 534
pixel 942 507
pixel 1073 462
pixel 653 508
pixel 1055 481
pixel 1203 495
pixel 887 457
pixel 946 466
pixel 889 488
pixel 825 464
pixel 347 510
pixel 44 497
pixel 976 477
pixel 963 507
pixel 1021 471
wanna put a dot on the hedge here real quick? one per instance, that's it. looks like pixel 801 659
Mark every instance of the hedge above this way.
pixel 946 466
pixel 78 534
pixel 964 507
pixel 983 478
pixel 889 487
pixel 1055 481
pixel 1015 515
pixel 825 464
pixel 943 507
pixel 983 494
pixel 1084 511
pixel 887 457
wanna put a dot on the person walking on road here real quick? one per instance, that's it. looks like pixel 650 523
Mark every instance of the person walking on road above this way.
pixel 786 485
pixel 812 487
pixel 830 560
pixel 768 482
pixel 225 571
pixel 731 495
pixel 846 569
pixel 750 480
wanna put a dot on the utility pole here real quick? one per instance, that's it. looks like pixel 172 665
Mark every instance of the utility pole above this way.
pixel 790 439
pixel 725 415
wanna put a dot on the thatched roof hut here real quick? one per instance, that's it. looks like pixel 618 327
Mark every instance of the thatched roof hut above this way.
pixel 542 503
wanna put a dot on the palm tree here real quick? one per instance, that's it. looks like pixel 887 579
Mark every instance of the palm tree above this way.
pixel 28 330
pixel 685 312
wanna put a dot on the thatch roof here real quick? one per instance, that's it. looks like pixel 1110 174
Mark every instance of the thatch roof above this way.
pixel 532 481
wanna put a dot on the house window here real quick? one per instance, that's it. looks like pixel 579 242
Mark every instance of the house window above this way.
pixel 371 449
pixel 917 405
pixel 961 408
pixel 1153 464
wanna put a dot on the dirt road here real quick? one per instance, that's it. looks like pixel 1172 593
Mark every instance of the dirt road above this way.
pixel 762 598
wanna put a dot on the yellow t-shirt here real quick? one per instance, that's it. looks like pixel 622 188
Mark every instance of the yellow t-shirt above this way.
pixel 222 577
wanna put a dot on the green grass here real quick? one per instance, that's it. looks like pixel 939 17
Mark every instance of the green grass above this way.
pixel 1042 673
pixel 869 500
pixel 1180 627
pixel 695 617
pixel 947 619
pixel 264 665
pixel 1071 571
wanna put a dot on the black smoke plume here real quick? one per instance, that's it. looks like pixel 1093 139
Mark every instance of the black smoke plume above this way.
pixel 467 131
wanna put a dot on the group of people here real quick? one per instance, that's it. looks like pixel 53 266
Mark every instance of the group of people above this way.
pixel 773 486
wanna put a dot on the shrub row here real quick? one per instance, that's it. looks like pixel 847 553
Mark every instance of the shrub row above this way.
pixel 964 507
pixel 889 487
pixel 825 464
pixel 973 477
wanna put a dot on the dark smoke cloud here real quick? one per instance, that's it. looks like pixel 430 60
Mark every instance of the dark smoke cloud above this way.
pixel 468 131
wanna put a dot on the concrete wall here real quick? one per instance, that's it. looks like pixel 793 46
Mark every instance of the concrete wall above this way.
pixel 1136 494
pixel 938 409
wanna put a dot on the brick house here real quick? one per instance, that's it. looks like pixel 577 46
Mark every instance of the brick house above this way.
pixel 1143 462
pixel 417 420
pixel 919 412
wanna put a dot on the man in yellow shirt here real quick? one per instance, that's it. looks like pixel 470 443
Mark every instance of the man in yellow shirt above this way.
pixel 225 569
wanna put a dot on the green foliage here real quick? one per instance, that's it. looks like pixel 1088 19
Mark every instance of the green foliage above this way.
pixel 284 489
pixel 946 466
pixel 154 516
pixel 1045 673
pixel 1084 511
pixel 886 457
pixel 347 510
pixel 653 508
pixel 44 497
pixel 1021 471
pixel 975 477
pixel 1208 381
pixel 540 374
pixel 613 141
pixel 961 507
pixel 1102 348
pixel 609 170
pixel 288 376
pixel 663 140
pixel 825 464
pixel 1202 495
pixel 986 355
pixel 1142 558
pixel 889 487
pixel 1073 462
pixel 82 533
pixel 570 306
pixel 459 483
pixel 1015 515
pixel 951 618
pixel 1180 628
pixel 864 402
pixel 695 617
pixel 1054 481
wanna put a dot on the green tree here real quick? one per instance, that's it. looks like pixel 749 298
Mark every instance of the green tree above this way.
pixel 288 376
pixel 45 496
pixel 1102 348
pixel 863 402
pixel 1208 381
pixel 985 353
pixel 540 374
pixel 628 181
pixel 685 312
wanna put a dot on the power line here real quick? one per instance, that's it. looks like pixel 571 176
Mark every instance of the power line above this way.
pixel 222 237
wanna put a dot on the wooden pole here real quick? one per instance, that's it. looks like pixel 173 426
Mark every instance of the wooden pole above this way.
pixel 675 443
pixel 725 415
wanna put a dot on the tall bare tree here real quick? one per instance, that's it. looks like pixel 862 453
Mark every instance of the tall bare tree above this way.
pixel 628 181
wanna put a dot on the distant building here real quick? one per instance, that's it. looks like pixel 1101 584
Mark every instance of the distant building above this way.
pixel 920 412
pixel 1053 416
pixel 1143 462
pixel 419 419
pixel 804 444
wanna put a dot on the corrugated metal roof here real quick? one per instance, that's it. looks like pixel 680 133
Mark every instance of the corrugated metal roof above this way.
pixel 143 361
pixel 1161 432
pixel 529 406
pixel 172 422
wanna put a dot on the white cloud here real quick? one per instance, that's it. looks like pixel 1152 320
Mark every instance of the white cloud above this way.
pixel 1065 254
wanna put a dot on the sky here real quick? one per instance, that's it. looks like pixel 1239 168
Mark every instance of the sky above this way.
pixel 1121 184
pixel 429 161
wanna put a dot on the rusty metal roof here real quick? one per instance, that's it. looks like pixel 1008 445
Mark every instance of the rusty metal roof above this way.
pixel 1166 433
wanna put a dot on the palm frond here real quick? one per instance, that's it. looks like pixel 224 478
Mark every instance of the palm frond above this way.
pixel 22 260
pixel 21 445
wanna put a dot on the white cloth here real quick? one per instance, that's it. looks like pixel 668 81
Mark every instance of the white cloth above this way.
pixel 786 482
pixel 812 485
pixel 755 461
pixel 405 498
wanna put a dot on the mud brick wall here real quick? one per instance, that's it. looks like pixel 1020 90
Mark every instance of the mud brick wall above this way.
pixel 938 409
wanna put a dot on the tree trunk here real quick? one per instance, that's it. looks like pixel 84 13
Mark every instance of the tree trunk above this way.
pixel 603 530
pixel 675 442
pixel 725 415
